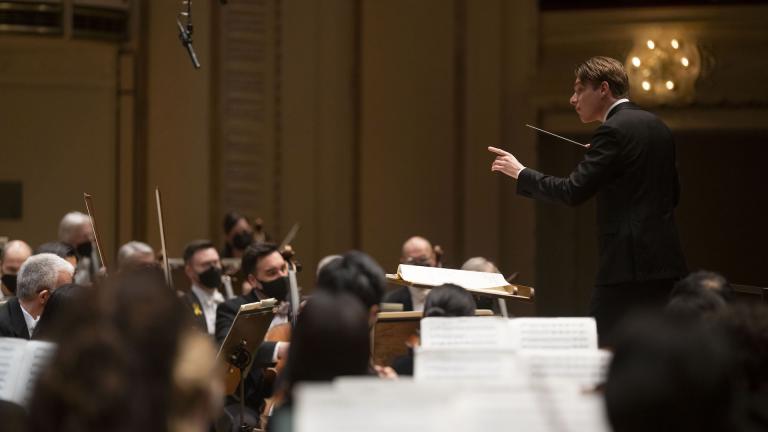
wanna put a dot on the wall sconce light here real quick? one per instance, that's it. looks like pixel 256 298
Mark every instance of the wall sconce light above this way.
pixel 663 70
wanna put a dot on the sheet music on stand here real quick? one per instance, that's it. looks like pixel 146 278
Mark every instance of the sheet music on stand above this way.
pixel 481 283
pixel 539 409
pixel 585 368
pixel 553 333
pixel 467 364
pixel 374 405
pixel 246 334
pixel 464 332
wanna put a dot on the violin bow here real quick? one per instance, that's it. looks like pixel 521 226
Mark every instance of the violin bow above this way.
pixel 92 215
pixel 163 250
pixel 292 282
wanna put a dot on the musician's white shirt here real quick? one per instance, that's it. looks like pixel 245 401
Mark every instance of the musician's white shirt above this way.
pixel 418 297
pixel 30 320
pixel 209 301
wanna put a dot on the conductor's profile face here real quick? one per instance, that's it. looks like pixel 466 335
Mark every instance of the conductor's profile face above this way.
pixel 588 100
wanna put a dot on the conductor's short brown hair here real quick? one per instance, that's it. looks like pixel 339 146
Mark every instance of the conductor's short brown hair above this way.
pixel 599 69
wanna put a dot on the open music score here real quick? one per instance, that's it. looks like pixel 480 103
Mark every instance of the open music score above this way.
pixel 517 334
pixel 373 405
pixel 517 350
pixel 482 283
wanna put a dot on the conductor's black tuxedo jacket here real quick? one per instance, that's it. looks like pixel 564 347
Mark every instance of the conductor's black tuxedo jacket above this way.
pixel 631 167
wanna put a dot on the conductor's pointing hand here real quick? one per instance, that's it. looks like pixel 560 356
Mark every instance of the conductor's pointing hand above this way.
pixel 505 163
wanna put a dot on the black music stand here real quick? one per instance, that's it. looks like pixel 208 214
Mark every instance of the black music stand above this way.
pixel 239 347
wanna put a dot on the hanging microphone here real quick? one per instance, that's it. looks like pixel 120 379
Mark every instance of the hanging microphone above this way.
pixel 185 35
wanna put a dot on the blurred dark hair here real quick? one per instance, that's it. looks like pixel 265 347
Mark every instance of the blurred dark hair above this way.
pixel 703 280
pixel 701 294
pixel 253 254
pixel 449 300
pixel 60 249
pixel 63 302
pixel 230 220
pixel 670 374
pixel 193 247
pixel 114 370
pixel 354 273
pixel 331 339
pixel 747 328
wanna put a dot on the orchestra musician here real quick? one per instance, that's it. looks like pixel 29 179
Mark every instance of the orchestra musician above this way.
pixel 415 251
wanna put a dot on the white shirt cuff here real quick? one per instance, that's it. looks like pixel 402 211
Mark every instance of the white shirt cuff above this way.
pixel 276 351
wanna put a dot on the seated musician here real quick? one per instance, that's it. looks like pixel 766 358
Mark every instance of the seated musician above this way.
pixel 238 234
pixel 481 264
pixel 447 300
pixel 60 249
pixel 331 339
pixel 131 361
pixel 671 374
pixel 416 251
pixel 39 276
pixel 267 271
pixel 203 268
pixel 13 256
pixel 75 230
pixel 135 254
pixel 357 274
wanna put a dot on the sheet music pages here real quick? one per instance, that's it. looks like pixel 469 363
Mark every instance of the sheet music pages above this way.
pixel 534 410
pixel 11 353
pixel 553 333
pixel 37 356
pixel 21 363
pixel 467 364
pixel 434 276
pixel 586 368
pixel 373 405
pixel 464 332
pixel 380 406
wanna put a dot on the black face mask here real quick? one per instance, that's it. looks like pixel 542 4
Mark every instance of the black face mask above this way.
pixel 210 278
pixel 242 240
pixel 10 282
pixel 84 249
pixel 277 288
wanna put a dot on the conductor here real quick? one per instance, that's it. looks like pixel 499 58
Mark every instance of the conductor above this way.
pixel 630 165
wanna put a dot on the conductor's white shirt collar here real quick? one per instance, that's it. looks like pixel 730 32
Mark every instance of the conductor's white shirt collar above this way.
pixel 620 101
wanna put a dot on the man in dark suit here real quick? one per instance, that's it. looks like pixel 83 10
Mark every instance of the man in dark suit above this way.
pixel 630 165
pixel 416 251
pixel 38 277
pixel 265 270
pixel 203 268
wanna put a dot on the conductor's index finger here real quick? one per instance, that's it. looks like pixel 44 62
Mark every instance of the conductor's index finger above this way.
pixel 498 151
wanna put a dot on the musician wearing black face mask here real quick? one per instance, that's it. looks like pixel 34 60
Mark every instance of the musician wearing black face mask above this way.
pixel 203 268
pixel 267 272
pixel 239 235
pixel 75 230
pixel 14 255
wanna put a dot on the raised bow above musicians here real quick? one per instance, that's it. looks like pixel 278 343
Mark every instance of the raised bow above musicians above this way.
pixel 630 166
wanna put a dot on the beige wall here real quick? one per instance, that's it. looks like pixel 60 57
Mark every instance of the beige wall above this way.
pixel 58 122
pixel 178 136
